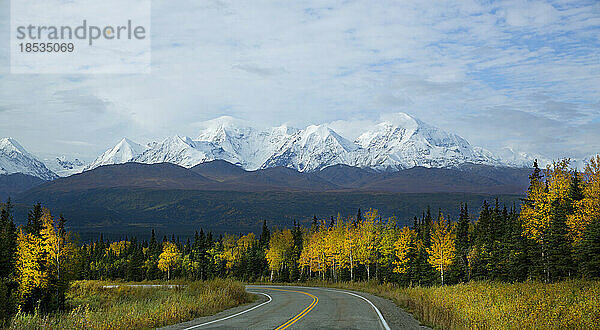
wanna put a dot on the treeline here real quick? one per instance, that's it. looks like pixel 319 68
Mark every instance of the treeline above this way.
pixel 556 235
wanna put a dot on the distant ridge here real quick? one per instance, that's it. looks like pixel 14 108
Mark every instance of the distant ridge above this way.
pixel 219 170
pixel 135 197
pixel 13 184
pixel 224 176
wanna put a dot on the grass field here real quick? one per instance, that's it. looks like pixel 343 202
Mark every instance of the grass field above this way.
pixel 491 305
pixel 92 306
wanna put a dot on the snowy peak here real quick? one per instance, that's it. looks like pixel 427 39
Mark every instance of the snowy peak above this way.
pixel 398 142
pixel 404 142
pixel 125 151
pixel 315 134
pixel 312 149
pixel 9 144
pixel 241 143
pixel 178 150
pixel 220 129
pixel 15 159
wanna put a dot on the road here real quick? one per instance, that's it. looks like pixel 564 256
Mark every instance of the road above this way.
pixel 292 307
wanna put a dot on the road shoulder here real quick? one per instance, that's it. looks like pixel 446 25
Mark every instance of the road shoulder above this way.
pixel 259 299
pixel 396 317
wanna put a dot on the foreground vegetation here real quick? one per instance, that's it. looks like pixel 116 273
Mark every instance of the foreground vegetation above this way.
pixel 91 306
pixel 555 236
pixel 570 304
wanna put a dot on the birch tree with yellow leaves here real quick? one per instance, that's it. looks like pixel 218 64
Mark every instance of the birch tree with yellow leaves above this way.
pixel 350 243
pixel 42 263
pixel 441 253
pixel 169 258
pixel 387 237
pixel 587 209
pixel 31 269
pixel 403 248
pixel 544 211
pixel 334 247
pixel 280 249
pixel 367 234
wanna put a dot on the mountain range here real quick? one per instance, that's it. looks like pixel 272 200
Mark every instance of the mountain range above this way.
pixel 401 142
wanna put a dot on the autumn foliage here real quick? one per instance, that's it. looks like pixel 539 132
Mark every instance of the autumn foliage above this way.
pixel 552 236
pixel 43 259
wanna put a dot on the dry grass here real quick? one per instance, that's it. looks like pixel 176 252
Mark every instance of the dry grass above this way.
pixel 491 305
pixel 94 307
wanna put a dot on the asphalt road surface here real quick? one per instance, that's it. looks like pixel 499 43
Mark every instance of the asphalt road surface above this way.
pixel 292 307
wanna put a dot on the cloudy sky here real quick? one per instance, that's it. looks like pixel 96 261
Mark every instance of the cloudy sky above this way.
pixel 522 74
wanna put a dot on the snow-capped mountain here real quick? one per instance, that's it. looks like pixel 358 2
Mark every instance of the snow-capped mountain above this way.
pixel 404 142
pixel 313 148
pixel 243 144
pixel 125 151
pixel 181 151
pixel 398 143
pixel 64 166
pixel 15 159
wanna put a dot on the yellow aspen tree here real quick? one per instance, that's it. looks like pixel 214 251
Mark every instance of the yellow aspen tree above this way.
pixel 537 210
pixel 189 265
pixel 58 251
pixel 587 210
pixel 367 234
pixel 280 249
pixel 169 258
pixel 230 253
pixel 335 248
pixel 116 248
pixel 387 235
pixel 321 250
pixel 442 248
pixel 350 244
pixel 309 256
pixel 403 247
pixel 558 179
pixel 29 265
pixel 305 255
pixel 246 242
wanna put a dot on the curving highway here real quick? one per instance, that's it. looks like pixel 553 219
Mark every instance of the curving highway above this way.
pixel 292 307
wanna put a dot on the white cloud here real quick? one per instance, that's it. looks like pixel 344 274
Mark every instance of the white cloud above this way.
pixel 467 67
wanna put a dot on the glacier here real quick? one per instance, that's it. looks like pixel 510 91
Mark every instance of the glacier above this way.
pixel 400 142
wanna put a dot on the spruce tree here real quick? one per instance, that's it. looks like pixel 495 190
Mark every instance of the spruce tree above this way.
pixel 34 220
pixel 560 263
pixel 575 193
pixel 588 251
pixel 265 235
pixel 314 226
pixel 517 246
pixel 358 218
pixel 8 240
pixel 483 239
pixel 462 243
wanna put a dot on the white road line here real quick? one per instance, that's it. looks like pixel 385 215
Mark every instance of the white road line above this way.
pixel 383 322
pixel 234 315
